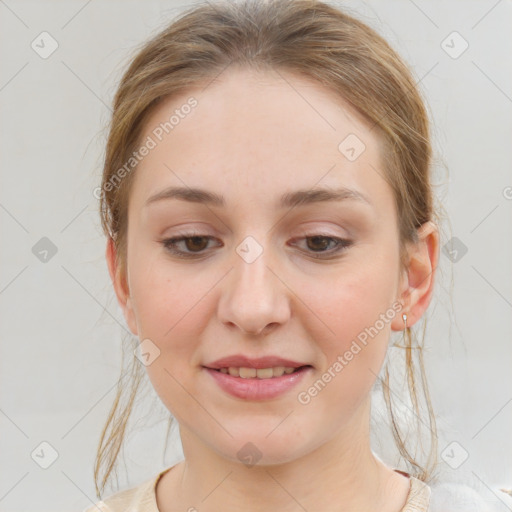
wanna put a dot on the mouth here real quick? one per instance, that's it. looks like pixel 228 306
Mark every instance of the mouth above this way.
pixel 257 384
pixel 245 372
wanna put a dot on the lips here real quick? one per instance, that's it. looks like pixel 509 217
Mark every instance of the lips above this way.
pixel 256 388
pixel 240 360
pixel 235 375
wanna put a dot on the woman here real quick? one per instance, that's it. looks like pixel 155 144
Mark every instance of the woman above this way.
pixel 270 221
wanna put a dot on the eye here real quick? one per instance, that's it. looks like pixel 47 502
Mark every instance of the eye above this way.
pixel 319 245
pixel 195 245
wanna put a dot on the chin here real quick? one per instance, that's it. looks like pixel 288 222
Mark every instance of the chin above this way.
pixel 256 447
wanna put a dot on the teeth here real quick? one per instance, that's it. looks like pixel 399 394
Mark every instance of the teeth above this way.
pixel 245 373
pixel 235 372
pixel 260 373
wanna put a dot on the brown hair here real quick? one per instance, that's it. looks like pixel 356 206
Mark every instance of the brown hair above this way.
pixel 306 37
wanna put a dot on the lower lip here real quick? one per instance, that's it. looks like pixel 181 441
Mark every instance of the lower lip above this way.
pixel 258 389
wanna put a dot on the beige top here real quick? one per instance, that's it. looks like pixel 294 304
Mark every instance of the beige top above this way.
pixel 143 497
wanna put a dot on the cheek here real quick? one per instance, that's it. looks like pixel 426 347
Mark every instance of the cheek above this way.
pixel 172 309
pixel 165 297
pixel 171 312
pixel 354 352
pixel 173 321
pixel 355 307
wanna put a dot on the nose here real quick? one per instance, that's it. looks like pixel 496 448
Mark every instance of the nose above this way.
pixel 253 297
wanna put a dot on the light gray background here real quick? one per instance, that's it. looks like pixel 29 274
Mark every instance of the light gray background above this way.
pixel 60 331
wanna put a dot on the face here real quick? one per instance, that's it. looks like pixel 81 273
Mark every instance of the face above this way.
pixel 306 281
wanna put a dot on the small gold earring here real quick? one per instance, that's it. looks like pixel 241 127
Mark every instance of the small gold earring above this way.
pixel 405 344
pixel 404 318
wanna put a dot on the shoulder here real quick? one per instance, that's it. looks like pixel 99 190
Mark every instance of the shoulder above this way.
pixel 140 498
pixel 126 500
pixel 459 497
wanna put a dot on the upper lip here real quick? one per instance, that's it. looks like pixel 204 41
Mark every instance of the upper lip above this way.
pixel 239 361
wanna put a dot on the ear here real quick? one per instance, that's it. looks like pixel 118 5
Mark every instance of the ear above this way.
pixel 418 279
pixel 120 286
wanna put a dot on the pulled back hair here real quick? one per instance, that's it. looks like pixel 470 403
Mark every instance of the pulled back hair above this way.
pixel 309 38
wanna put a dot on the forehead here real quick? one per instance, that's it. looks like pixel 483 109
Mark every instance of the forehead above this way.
pixel 259 135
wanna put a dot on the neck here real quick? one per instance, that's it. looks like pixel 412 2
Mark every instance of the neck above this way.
pixel 340 474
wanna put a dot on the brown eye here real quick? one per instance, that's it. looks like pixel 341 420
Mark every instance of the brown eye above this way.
pixel 195 243
pixel 187 245
pixel 319 242
pixel 324 246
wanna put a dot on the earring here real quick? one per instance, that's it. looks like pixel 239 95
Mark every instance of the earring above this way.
pixel 404 318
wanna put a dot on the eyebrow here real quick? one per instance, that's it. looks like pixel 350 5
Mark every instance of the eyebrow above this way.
pixel 287 200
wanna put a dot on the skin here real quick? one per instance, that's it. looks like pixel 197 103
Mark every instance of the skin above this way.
pixel 251 138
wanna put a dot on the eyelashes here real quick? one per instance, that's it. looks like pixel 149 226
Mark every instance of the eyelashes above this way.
pixel 194 246
pixel 171 243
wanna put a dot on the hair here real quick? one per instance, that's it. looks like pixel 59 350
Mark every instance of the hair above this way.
pixel 308 38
